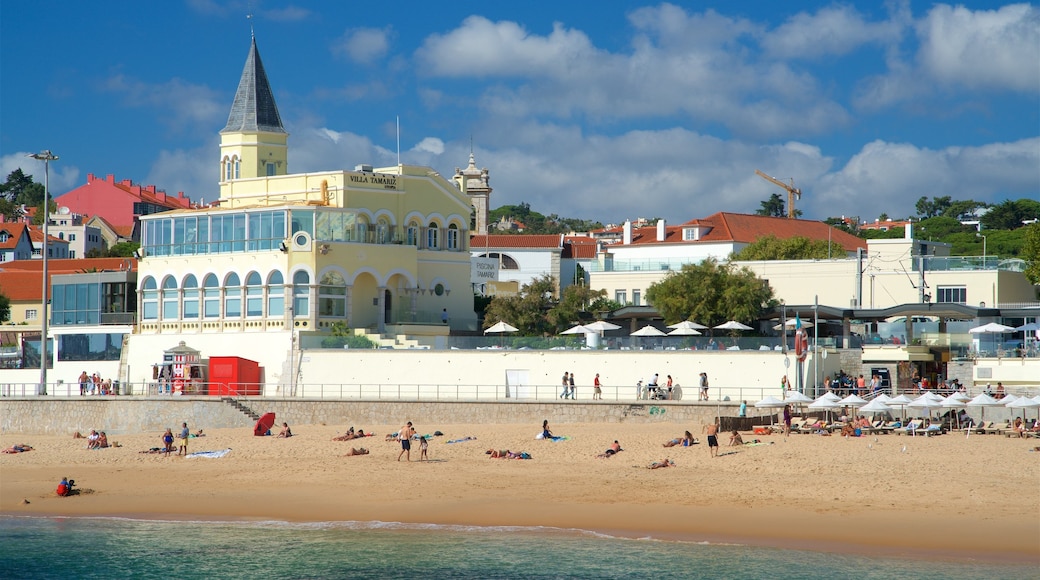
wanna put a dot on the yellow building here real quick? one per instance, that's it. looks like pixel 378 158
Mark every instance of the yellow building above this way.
pixel 384 249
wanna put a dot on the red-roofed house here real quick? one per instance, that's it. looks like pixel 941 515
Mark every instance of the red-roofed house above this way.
pixel 120 203
pixel 15 243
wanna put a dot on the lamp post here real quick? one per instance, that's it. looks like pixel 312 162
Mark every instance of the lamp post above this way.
pixel 983 236
pixel 46 156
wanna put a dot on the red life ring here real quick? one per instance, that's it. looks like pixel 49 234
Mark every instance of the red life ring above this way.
pixel 801 345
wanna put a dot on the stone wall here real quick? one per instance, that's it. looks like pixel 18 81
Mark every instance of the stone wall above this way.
pixel 116 416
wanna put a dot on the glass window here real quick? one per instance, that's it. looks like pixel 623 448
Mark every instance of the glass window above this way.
pixel 303 221
pixel 232 296
pixel 413 234
pixel 453 237
pixel 150 299
pixel 301 293
pixel 332 296
pixel 431 236
pixel 169 299
pixel 90 347
pixel 952 294
pixel 238 168
pixel 211 296
pixel 254 295
pixel 637 295
pixel 191 297
pixel 275 294
pixel 621 297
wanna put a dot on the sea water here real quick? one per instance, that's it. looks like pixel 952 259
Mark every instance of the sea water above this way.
pixel 121 548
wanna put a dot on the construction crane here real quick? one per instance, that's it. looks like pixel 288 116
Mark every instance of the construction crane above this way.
pixel 792 191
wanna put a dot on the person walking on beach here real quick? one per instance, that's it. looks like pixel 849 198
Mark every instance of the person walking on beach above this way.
pixel 404 435
pixel 713 437
pixel 424 444
pixel 787 420
pixel 597 392
pixel 182 449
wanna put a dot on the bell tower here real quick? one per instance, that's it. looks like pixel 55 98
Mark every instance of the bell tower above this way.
pixel 475 184
pixel 254 142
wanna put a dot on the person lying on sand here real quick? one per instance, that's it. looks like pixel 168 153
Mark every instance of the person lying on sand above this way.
pixel 78 435
pixel 615 448
pixel 18 448
pixel 735 439
pixel 686 440
pixel 353 451
pixel 659 464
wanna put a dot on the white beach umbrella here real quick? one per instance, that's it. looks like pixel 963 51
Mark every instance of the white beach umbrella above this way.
pixel 830 396
pixel 500 327
pixel 875 406
pixel 577 329
pixel 926 403
pixel 853 401
pixel 982 400
pixel 682 331
pixel 991 328
pixel 648 330
pixel 824 404
pixel 960 397
pixel 901 401
pixel 1008 399
pixel 687 325
pixel 732 325
pixel 797 397
pixel 953 402
pixel 791 324
pixel 882 398
pixel 1031 327
pixel 770 403
pixel 1025 403
pixel 601 326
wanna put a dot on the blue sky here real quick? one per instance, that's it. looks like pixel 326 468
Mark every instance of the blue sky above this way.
pixel 607 110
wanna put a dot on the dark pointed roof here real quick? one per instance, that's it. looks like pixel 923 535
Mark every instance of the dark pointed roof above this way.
pixel 254 108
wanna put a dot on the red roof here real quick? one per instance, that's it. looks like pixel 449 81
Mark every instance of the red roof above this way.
pixel 15 231
pixel 22 280
pixel 544 241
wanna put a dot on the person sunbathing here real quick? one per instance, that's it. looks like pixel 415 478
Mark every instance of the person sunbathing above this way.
pixel 686 440
pixel 78 435
pixel 353 451
pixel 286 431
pixel 612 451
pixel 659 464
pixel 92 439
pixel 102 442
pixel 735 439
pixel 847 430
pixel 18 448
pixel 497 454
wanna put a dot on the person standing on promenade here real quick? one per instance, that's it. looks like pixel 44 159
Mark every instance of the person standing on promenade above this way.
pixel 565 386
pixel 597 392
pixel 83 380
pixel 182 449
pixel 743 409
pixel 704 387
pixel 404 435
pixel 574 391
pixel 713 437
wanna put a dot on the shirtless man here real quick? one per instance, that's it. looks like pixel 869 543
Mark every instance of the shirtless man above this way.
pixel 404 435
pixel 713 438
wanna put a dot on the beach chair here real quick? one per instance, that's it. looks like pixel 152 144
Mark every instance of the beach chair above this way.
pixel 996 428
pixel 980 429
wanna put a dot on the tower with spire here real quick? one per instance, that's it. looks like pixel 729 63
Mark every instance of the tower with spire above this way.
pixel 254 142
pixel 475 184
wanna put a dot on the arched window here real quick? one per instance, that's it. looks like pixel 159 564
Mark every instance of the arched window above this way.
pixel 169 298
pixel 232 296
pixel 362 229
pixel 453 237
pixel 432 236
pixel 211 296
pixel 254 295
pixel 412 238
pixel 191 297
pixel 504 262
pixel 226 169
pixel 238 167
pixel 150 295
pixel 301 293
pixel 382 231
pixel 332 296
pixel 275 294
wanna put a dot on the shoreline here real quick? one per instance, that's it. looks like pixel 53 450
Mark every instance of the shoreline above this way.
pixel 822 494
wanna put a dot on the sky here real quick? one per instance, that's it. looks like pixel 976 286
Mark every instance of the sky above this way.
pixel 607 111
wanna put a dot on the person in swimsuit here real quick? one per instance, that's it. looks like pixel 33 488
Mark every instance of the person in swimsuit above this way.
pixel 404 435
pixel 713 439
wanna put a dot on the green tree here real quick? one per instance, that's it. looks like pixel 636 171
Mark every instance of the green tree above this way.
pixel 797 248
pixel 122 250
pixel 5 307
pixel 21 189
pixel 526 311
pixel 573 307
pixel 938 228
pixel 773 207
pixel 341 336
pixel 9 210
pixel 935 207
pixel 710 293
pixel 1009 214
pixel 1031 252
pixel 963 209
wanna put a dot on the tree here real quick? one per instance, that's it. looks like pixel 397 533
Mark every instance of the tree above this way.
pixel 964 209
pixel 5 307
pixel 935 207
pixel 526 311
pixel 1009 215
pixel 9 210
pixel 122 250
pixel 937 228
pixel 773 207
pixel 1031 252
pixel 797 248
pixel 21 189
pixel 573 306
pixel 710 293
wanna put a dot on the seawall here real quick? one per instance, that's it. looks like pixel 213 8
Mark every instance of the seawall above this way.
pixel 48 415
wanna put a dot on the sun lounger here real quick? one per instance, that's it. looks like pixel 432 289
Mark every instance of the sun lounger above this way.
pixel 995 428
pixel 981 427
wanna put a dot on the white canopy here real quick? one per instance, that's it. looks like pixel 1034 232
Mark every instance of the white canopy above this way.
pixel 792 323
pixel 875 406
pixel 577 329
pixel 853 400
pixel 499 327
pixel 830 396
pixel 601 325
pixel 687 325
pixel 683 331
pixel 648 330
pixel 796 397
pixel 770 403
pixel 984 400
pixel 733 325
pixel 991 328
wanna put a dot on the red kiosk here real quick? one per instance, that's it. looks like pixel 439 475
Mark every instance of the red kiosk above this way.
pixel 234 376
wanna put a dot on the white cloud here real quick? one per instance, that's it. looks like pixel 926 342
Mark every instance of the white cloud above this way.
pixel 831 31
pixel 62 176
pixel 430 145
pixel 288 14
pixel 364 45
pixel 985 49
pixel 691 65
pixel 192 171
pixel 890 177
pixel 181 105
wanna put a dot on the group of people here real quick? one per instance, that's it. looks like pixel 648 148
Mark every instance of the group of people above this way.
pixel 653 389
pixel 168 440
pixel 94 385
pixel 96 440
pixel 568 389
pixel 351 434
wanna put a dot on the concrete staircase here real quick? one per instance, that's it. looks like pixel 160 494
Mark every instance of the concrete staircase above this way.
pixel 242 408
pixel 396 341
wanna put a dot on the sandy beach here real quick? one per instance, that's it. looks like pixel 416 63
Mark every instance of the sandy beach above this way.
pixel 946 497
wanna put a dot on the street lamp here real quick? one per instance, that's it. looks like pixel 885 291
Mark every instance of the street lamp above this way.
pixel 46 156
pixel 983 236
